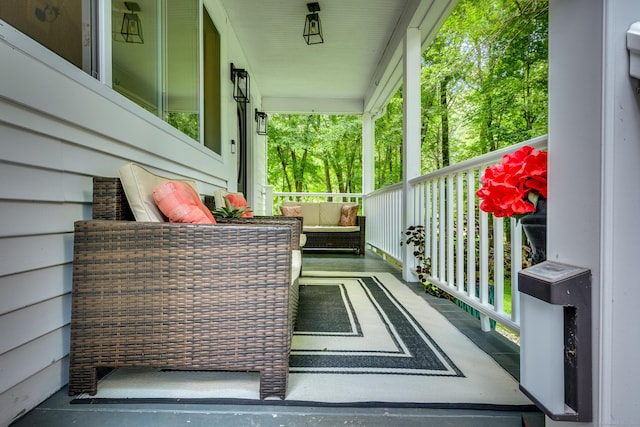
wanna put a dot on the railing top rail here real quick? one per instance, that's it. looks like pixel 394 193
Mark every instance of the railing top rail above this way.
pixel 392 187
pixel 306 194
pixel 477 162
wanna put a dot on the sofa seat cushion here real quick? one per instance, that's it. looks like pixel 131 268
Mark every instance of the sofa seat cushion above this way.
pixel 330 228
pixel 296 265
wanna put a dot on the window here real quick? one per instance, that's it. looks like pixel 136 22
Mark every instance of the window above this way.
pixel 62 26
pixel 158 68
pixel 161 70
pixel 212 92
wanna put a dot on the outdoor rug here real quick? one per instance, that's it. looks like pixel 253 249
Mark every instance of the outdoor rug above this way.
pixel 362 339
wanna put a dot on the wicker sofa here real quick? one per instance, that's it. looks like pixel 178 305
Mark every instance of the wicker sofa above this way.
pixel 320 226
pixel 180 296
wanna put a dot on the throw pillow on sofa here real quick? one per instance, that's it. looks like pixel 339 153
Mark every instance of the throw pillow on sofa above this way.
pixel 237 201
pixel 348 215
pixel 179 202
pixel 294 210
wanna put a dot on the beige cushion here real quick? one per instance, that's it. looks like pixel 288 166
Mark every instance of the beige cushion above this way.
pixel 330 228
pixel 303 240
pixel 310 212
pixel 296 264
pixel 218 198
pixel 330 213
pixel 138 184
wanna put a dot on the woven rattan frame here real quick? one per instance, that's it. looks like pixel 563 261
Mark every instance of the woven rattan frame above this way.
pixel 180 296
pixel 338 239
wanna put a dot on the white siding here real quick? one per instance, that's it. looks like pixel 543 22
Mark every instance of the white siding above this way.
pixel 58 128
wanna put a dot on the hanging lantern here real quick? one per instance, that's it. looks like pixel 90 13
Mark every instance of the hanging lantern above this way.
pixel 312 28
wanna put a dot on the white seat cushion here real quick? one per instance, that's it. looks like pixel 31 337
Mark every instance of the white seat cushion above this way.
pixel 296 265
pixel 330 228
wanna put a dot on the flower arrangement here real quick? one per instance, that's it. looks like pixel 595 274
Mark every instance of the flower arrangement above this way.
pixel 512 187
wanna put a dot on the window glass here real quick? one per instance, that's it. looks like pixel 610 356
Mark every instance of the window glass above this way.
pixel 212 94
pixel 56 24
pixel 158 68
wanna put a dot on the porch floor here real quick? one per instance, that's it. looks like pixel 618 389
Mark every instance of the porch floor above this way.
pixel 57 412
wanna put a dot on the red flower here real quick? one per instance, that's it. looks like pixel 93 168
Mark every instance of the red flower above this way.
pixel 508 187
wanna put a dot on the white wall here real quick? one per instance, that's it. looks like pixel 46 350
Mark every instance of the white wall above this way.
pixel 58 128
pixel 594 151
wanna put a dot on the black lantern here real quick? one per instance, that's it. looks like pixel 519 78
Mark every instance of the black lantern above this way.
pixel 240 79
pixel 312 30
pixel 131 28
pixel 262 122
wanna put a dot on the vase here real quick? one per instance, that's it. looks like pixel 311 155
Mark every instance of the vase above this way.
pixel 535 228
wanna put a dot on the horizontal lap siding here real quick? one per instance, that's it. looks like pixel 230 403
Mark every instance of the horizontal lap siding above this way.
pixel 51 144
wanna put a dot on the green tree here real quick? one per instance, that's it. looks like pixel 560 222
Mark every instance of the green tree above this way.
pixel 316 153
pixel 484 87
pixel 388 144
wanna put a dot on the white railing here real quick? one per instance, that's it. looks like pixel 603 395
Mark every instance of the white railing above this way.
pixel 383 209
pixel 465 246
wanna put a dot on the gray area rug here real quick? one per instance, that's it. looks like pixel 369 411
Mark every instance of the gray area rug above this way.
pixel 361 340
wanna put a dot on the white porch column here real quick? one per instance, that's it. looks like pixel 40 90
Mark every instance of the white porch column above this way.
pixel 368 164
pixel 594 151
pixel 411 138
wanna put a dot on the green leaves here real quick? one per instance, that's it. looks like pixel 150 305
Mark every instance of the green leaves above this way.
pixel 229 211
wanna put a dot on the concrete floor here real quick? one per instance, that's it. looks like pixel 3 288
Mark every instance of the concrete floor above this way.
pixel 58 412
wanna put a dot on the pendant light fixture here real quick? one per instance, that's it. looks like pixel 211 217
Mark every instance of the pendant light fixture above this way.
pixel 131 26
pixel 312 29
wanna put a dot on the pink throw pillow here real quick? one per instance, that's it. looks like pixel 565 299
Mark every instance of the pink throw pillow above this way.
pixel 348 215
pixel 179 202
pixel 294 210
pixel 237 201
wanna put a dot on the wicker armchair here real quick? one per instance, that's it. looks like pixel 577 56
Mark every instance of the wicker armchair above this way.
pixel 179 296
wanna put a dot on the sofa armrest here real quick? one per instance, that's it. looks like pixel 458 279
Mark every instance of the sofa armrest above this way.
pixel 294 222
pixel 181 296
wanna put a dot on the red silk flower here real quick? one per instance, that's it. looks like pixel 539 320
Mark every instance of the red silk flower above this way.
pixel 509 187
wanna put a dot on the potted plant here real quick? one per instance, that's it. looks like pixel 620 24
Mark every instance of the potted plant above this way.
pixel 228 211
pixel 415 236
pixel 517 188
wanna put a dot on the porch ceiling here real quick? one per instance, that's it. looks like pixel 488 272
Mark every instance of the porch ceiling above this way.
pixel 358 67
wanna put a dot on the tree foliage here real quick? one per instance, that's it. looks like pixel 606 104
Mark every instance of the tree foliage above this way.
pixel 315 153
pixel 483 87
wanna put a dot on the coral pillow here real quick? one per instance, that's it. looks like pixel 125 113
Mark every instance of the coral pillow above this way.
pixel 348 215
pixel 295 210
pixel 237 201
pixel 179 202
